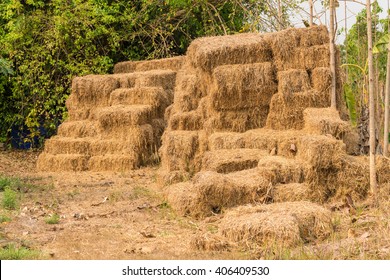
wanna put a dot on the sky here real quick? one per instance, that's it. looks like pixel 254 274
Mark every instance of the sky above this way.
pixel 347 9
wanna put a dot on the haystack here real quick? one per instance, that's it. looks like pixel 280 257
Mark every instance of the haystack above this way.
pixel 231 160
pixel 173 63
pixel 286 224
pixel 291 192
pixel 243 86
pixel 211 52
pixel 286 111
pixel 326 121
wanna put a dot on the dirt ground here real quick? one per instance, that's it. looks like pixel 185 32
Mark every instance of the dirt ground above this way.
pixel 124 216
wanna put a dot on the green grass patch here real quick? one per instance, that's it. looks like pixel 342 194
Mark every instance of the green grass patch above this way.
pixel 53 219
pixel 10 199
pixel 11 252
pixel 8 182
pixel 4 219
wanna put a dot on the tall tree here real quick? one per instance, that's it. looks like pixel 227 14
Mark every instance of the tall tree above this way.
pixel 332 53
pixel 387 93
pixel 373 182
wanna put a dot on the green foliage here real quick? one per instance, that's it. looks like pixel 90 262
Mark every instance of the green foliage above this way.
pixel 50 42
pixel 9 200
pixel 53 219
pixel 354 55
pixel 4 219
pixel 11 252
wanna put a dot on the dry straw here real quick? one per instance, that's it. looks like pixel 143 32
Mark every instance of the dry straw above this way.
pixel 288 224
pixel 173 63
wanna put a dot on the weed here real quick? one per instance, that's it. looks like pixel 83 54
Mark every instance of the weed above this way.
pixel 4 219
pixel 11 252
pixel 9 200
pixel 53 219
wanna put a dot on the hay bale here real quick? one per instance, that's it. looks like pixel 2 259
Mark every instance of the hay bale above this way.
pixel 264 139
pixel 210 242
pixel 154 96
pixel 122 116
pixel 316 35
pixel 353 178
pixel 126 80
pixel 320 152
pixel 186 121
pixel 326 121
pixel 179 150
pixel 231 160
pixel 279 169
pixel 78 115
pixel 158 78
pixel 78 129
pixel 243 86
pixel 383 169
pixel 236 120
pixel 287 224
pixel 215 192
pixel 210 52
pixel 62 162
pixel 65 145
pixel 172 63
pixel 114 162
pixel 291 192
pixel 183 199
pixel 92 90
pixel 321 79
pixel 293 80
pixel 286 112
pixel 187 92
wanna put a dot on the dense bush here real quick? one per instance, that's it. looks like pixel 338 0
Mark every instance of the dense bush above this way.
pixel 49 42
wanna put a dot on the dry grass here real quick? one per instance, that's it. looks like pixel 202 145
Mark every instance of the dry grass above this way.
pixel 173 63
pixel 211 52
pixel 243 86
pixel 288 224
pixel 293 80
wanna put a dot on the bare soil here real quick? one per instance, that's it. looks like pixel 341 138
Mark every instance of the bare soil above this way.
pixel 124 216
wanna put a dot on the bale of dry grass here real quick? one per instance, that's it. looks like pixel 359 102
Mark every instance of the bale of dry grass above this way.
pixel 210 242
pixel 321 79
pixel 191 120
pixel 179 150
pixel 265 139
pixel 326 121
pixel 78 129
pixel 297 48
pixel 352 179
pixel 243 86
pixel 210 52
pixel 154 96
pixel 183 199
pixel 293 80
pixel 291 192
pixel 216 192
pixel 286 111
pixel 66 145
pixel 114 162
pixel 187 91
pixel 236 120
pixel 320 152
pixel 281 170
pixel 122 115
pixel 78 115
pixel 158 78
pixel 62 162
pixel 383 170
pixel 287 224
pixel 172 63
pixel 231 160
pixel 92 90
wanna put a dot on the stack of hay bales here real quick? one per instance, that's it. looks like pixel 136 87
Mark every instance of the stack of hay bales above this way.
pixel 115 121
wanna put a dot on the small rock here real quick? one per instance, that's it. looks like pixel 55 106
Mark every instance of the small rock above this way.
pixel 25 233
pixel 293 148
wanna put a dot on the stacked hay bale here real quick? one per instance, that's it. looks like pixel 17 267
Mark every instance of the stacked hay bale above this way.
pixel 115 121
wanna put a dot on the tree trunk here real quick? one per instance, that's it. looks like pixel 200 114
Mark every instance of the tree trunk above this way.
pixel 279 16
pixel 387 93
pixel 332 55
pixel 373 182
pixel 311 12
